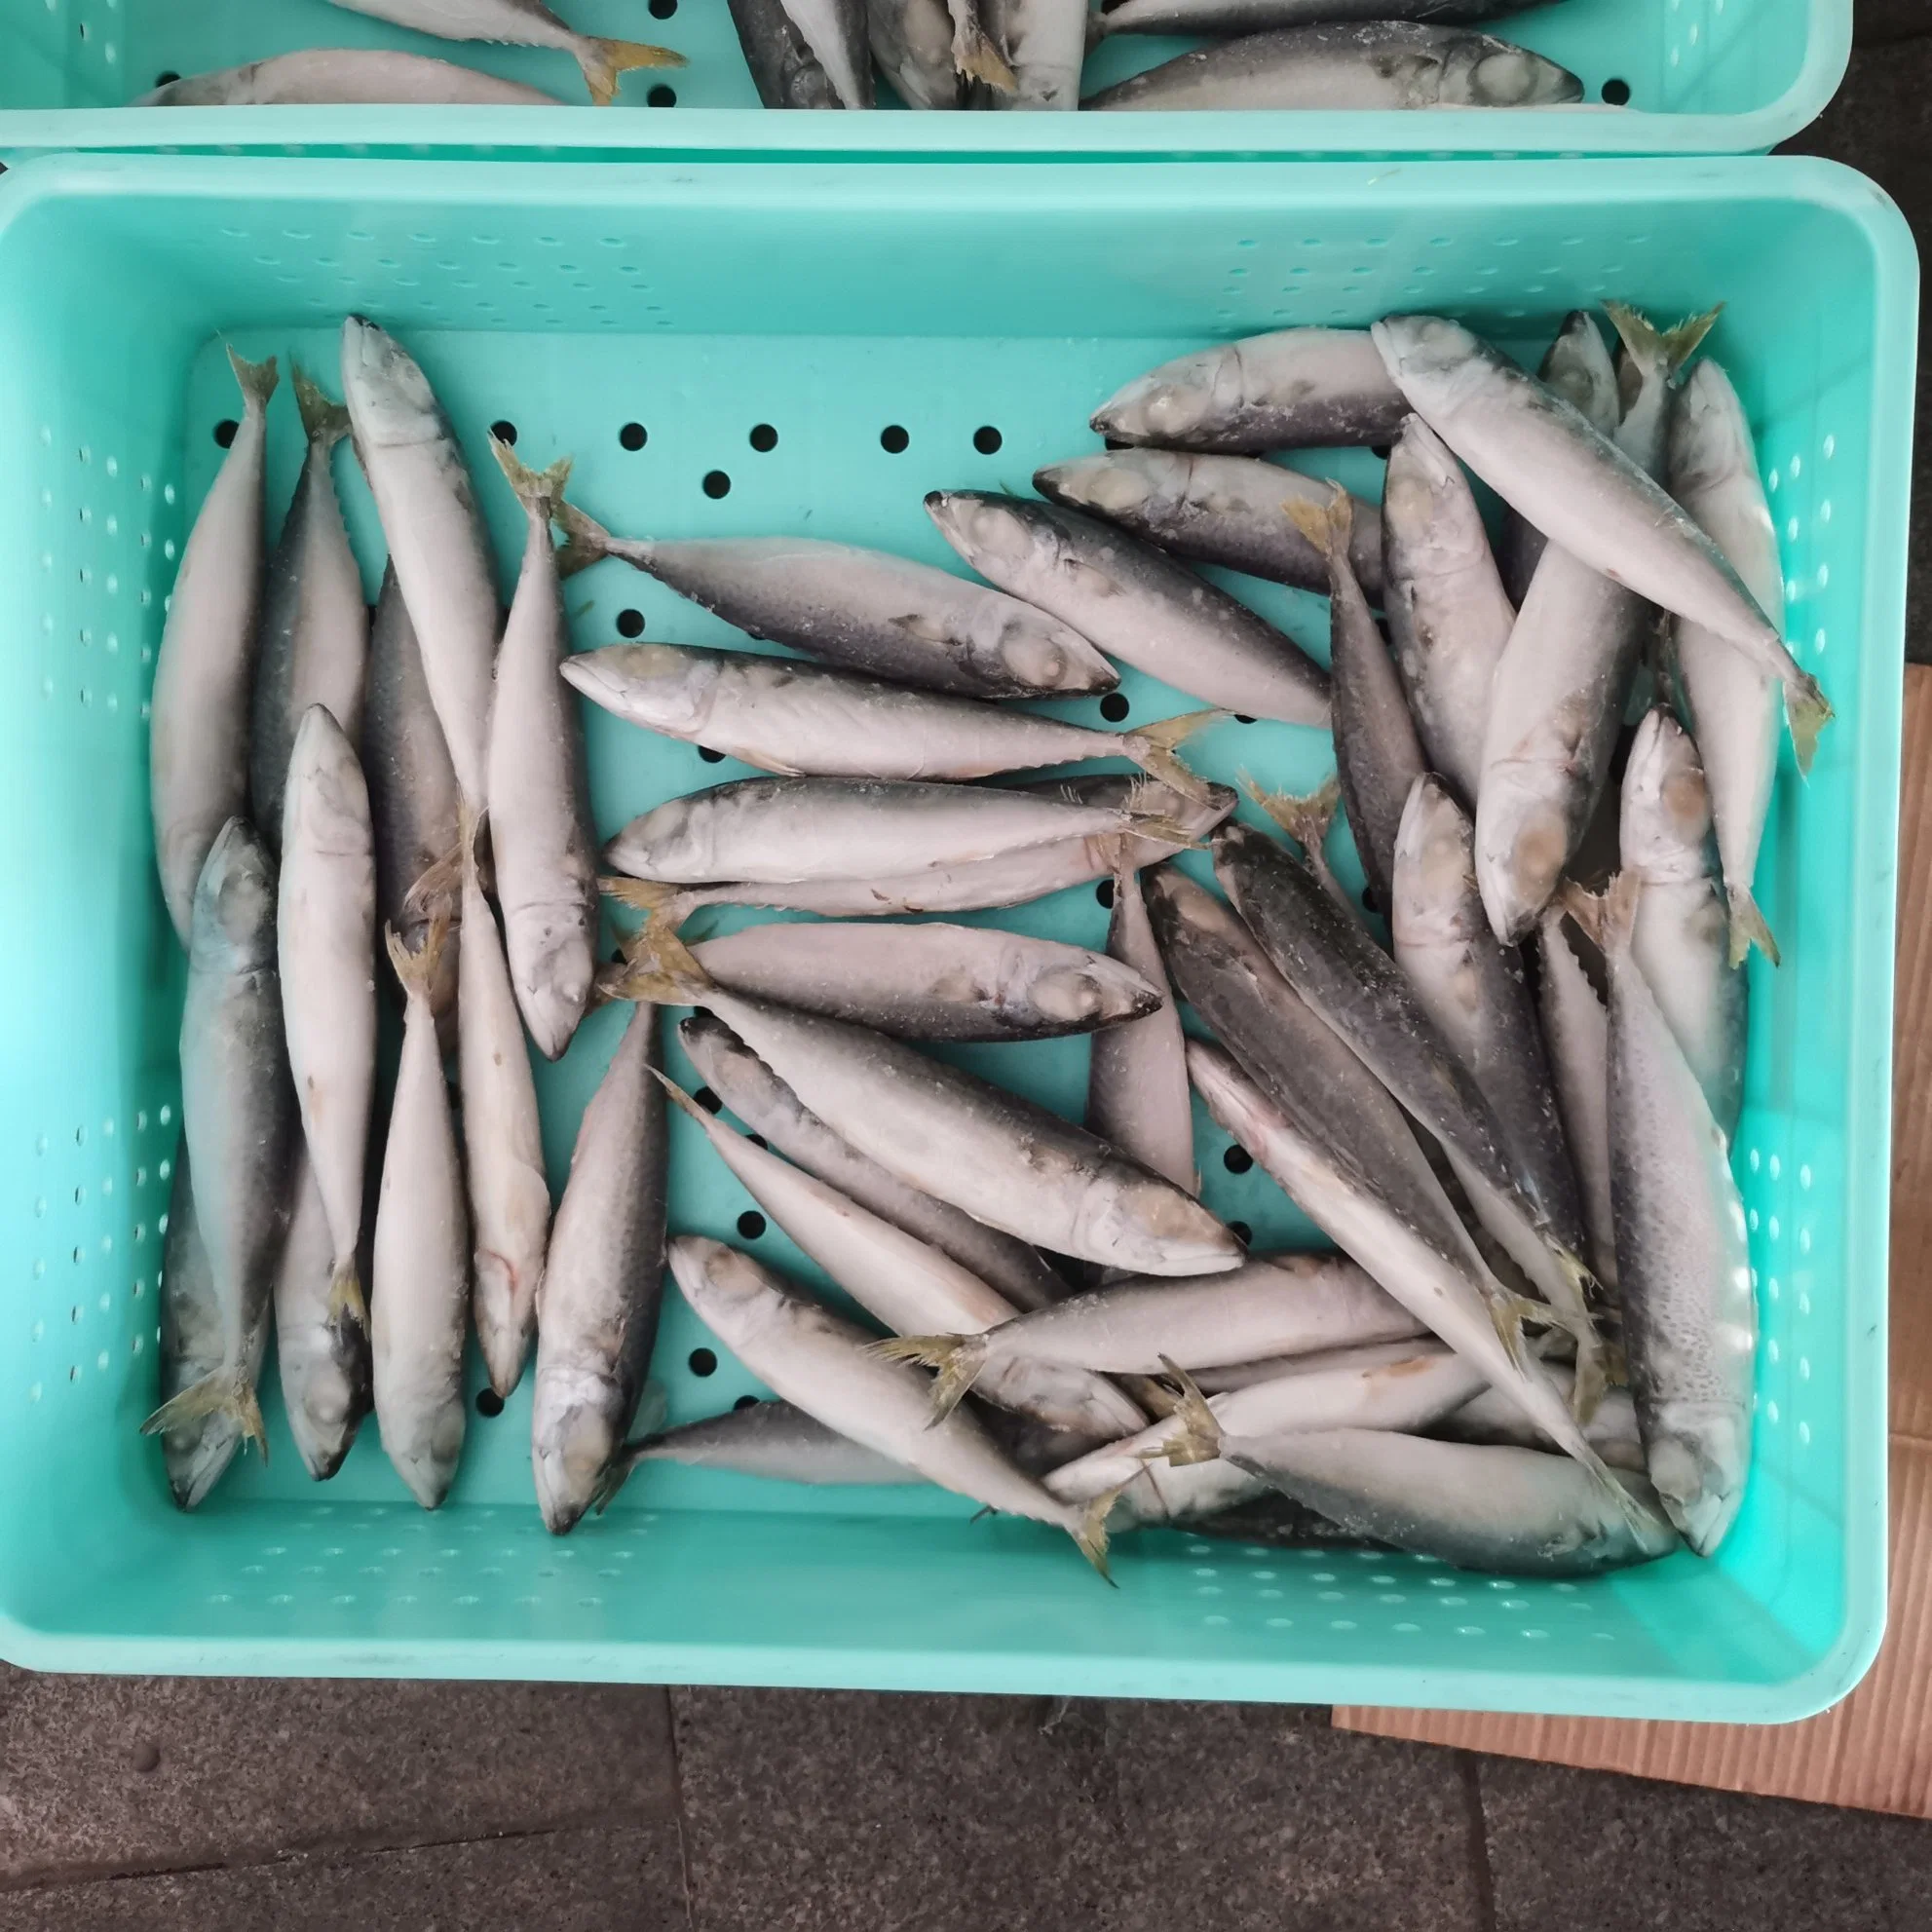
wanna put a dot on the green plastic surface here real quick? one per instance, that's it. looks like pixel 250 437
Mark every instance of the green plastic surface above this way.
pixel 1717 76
pixel 830 303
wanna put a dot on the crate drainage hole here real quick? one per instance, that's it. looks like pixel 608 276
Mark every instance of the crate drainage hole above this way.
pixel 662 97
pixel 892 439
pixel 488 1402
pixel 1237 1159
pixel 634 435
pixel 764 438
pixel 1104 892
pixel 1113 707
pixel 504 432
pixel 1618 93
pixel 631 623
pixel 987 440
pixel 717 484
pixel 752 1223
pixel 224 432
pixel 704 1362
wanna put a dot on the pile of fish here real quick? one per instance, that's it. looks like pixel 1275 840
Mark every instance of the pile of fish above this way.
pixel 1027 54
pixel 1503 1082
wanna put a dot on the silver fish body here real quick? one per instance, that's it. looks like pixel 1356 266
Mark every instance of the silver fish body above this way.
pixel 1491 1416
pixel 540 832
pixel 1136 604
pixel 345 76
pixel 325 939
pixel 198 1453
pixel 1449 617
pixel 771 1110
pixel 775 1441
pixel 1292 389
pixel 418 1302
pixel 1518 1512
pixel 932 981
pixel 1734 703
pixel 1576 1037
pixel 1137 1093
pixel 198 731
pixel 1681 938
pixel 320 1347
pixel 603 1283
pixel 806 53
pixel 1366 67
pixel 1225 18
pixel 1223 509
pixel 866 611
pixel 315 627
pixel 438 545
pixel 1683 1261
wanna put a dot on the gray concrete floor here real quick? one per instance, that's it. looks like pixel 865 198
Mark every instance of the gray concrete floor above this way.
pixel 218 1804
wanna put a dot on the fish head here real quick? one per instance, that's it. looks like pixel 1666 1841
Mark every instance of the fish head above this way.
pixel 728 1290
pixel 1698 1455
pixel 196 1455
pixel 1480 71
pixel 1524 840
pixel 327 804
pixel 388 397
pixel 1579 369
pixel 661 687
pixel 987 528
pixel 1118 484
pixel 1235 1102
pixel 1709 437
pixel 1665 827
pixel 233 919
pixel 1427 505
pixel 1175 402
pixel 1182 912
pixel 1150 1225
pixel 555 999
pixel 1036 650
pixel 571 1447
pixel 1422 348
pixel 335 1398
pixel 1092 992
pixel 1437 900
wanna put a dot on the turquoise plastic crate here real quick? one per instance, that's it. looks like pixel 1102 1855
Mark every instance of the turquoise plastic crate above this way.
pixel 829 303
pixel 1702 76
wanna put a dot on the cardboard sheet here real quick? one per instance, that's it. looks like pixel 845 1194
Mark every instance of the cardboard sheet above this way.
pixel 1874 1750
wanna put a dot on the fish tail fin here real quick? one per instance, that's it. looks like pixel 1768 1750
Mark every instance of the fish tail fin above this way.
pixel 657 967
pixel 646 895
pixel 1197 1433
pixel 684 1104
pixel 223 1392
pixel 957 1358
pixel 323 421
pixel 1152 748
pixel 346 1301
pixel 1583 906
pixel 1090 1538
pixel 1748 928
pixel 1149 818
pixel 537 490
pixel 1327 526
pixel 1807 712
pixel 1682 340
pixel 585 540
pixel 417 971
pixel 604 60
pixel 258 380
pixel 1641 340
pixel 976 55
pixel 1307 819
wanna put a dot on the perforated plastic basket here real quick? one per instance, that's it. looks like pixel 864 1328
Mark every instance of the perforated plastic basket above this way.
pixel 829 304
pixel 1716 76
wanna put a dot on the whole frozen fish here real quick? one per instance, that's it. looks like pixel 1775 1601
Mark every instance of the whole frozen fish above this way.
pixel 912 1287
pixel 1547 462
pixel 1137 1093
pixel 1680 937
pixel 939 1128
pixel 1044 43
pixel 863 610
pixel 1448 613
pixel 1371 66
pixel 976 884
pixel 345 76
pixel 1491 1416
pixel 521 24
pixel 192 1347
pixel 1397 1386
pixel 806 53
pixel 1516 1512
pixel 1396 1241
pixel 502 1148
pixel 438 545
pixel 1472 989
pixel 822 1365
pixel 1136 604
pixel 1556 702
pixel 1293 389
pixel 1576 1034
pixel 771 1110
pixel 413 795
pixel 326 942
pixel 788 831
pixel 320 1347
pixel 420 1277
pixel 932 982
pixel 315 627
pixel 540 832
pixel 198 730
pixel 1732 702
pixel 1233 510
pixel 1239 17
pixel 1578 367
pixel 1378 757
pixel 809 720
pixel 603 1282
pixel 776 1441
pixel 238 1120
pixel 1689 1312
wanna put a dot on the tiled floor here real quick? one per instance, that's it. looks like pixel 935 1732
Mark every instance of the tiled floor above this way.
pixel 214 1805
